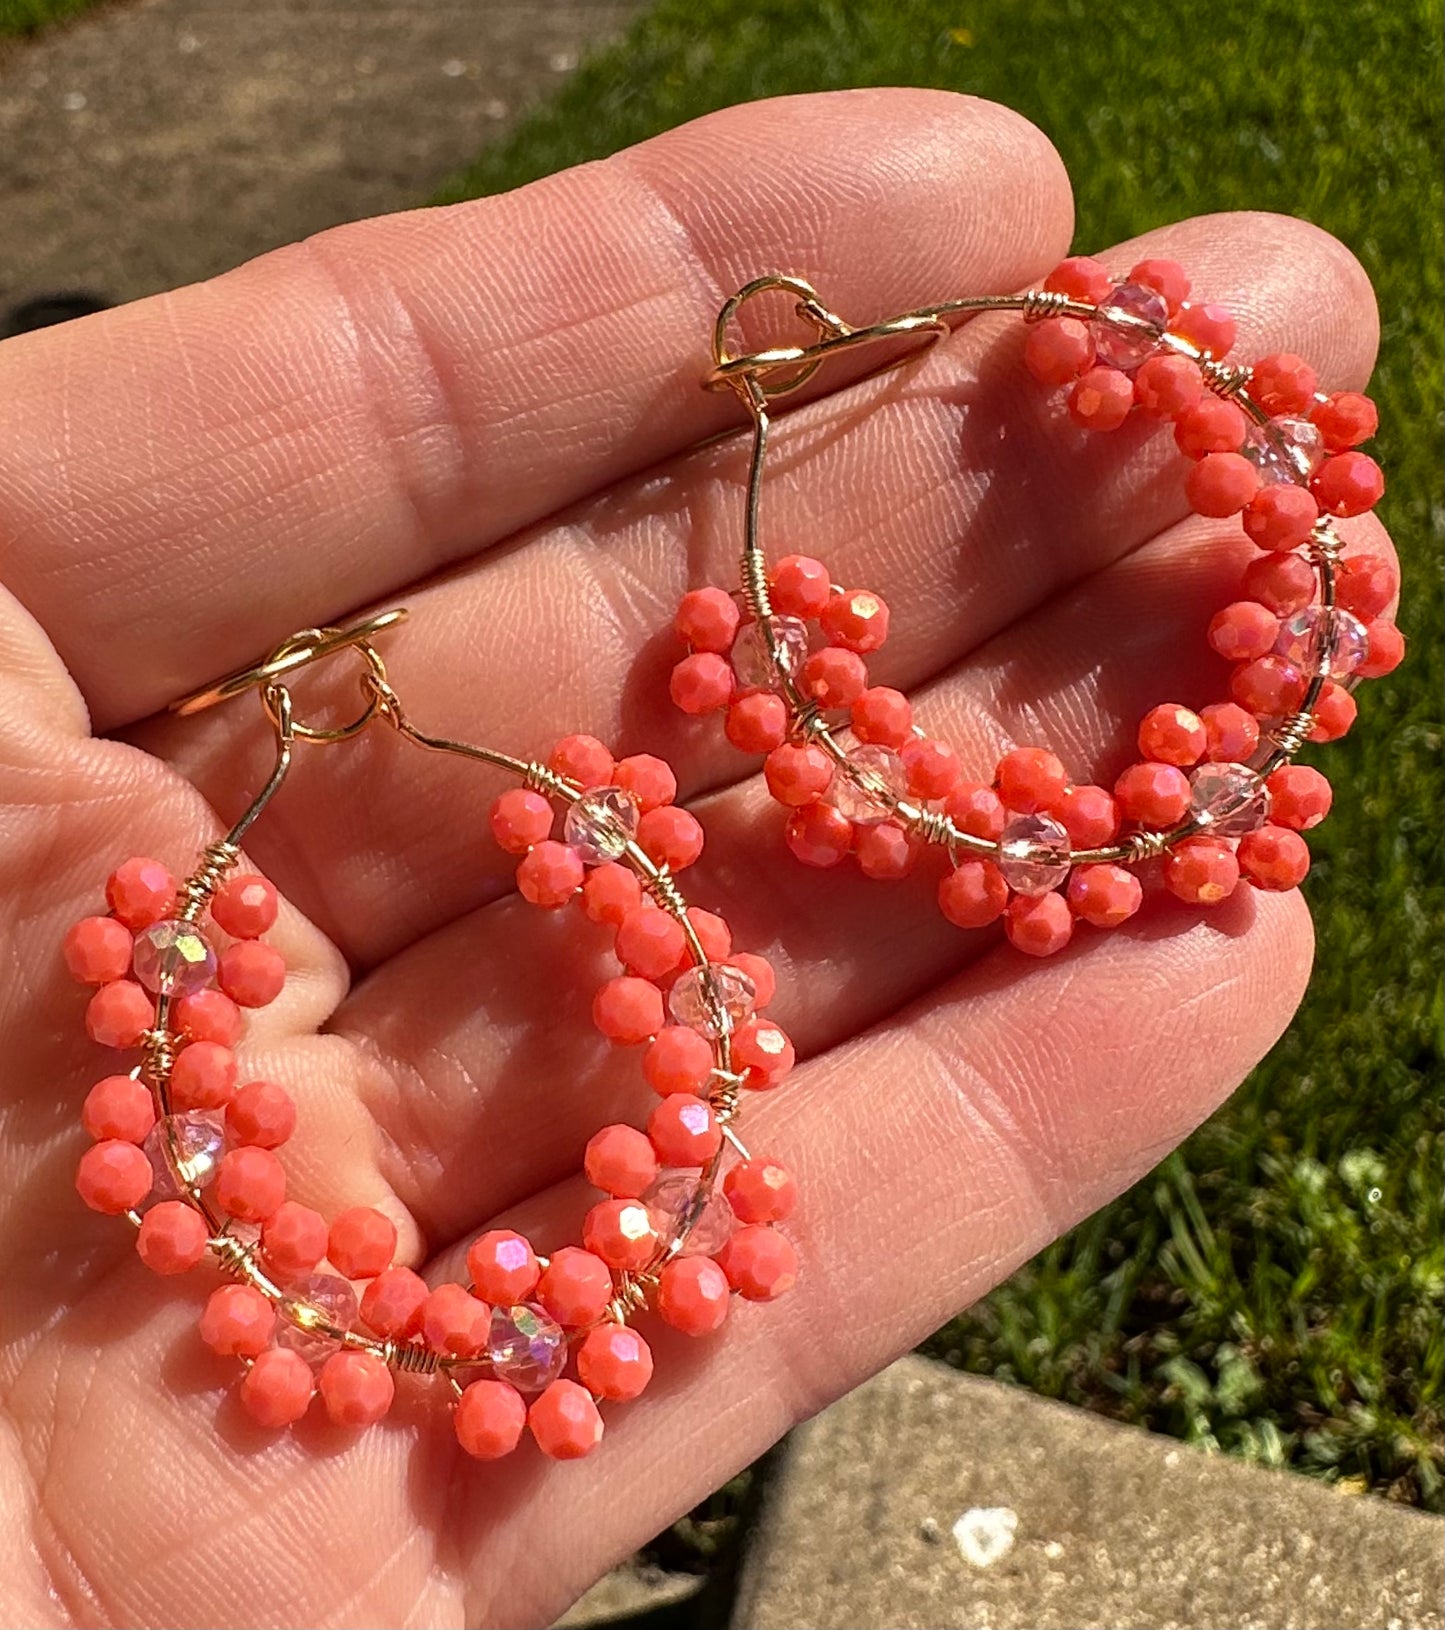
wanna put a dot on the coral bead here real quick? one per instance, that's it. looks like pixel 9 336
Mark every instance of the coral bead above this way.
pixel 1384 651
pixel 678 1060
pixel 798 773
pixel 885 851
pixel 1101 399
pixel 565 1422
pixel 1058 349
pixel 550 874
pixel 628 1010
pixel 391 1304
pixel 1231 734
pixel 819 835
pixel 621 1232
pixel 1334 713
pixel 1030 779
pixel 1221 484
pixel 713 933
pixel 708 619
pixel 520 818
pixel 684 1131
pixel 763 1052
pixel 833 677
pixel 932 767
pixel 1345 420
pixel 575 1287
pixel 361 1242
pixel 1209 326
pixel 1269 687
pixel 250 1184
pixel 503 1267
pixel 692 1295
pixel 857 619
pixel 1299 797
pixel 119 1014
pixel 882 716
pixel 974 807
pixel 1281 517
pixel 452 1320
pixel 648 778
pixel 1172 735
pixel 141 892
pixel 760 971
pixel 1152 795
pixel 118 1107
pixel 1283 383
pixel 489 1419
pixel 1212 425
pixel 650 941
pixel 113 1177
pixel 1364 584
pixel 1089 815
pixel 1167 386
pixel 620 1160
pixel 614 1362
pixel 757 723
pixel 1038 924
pixel 609 892
pixel 1166 277
pixel 1244 630
pixel 1103 895
pixel 356 1389
pixel 278 1388
pixel 760 1263
pixel 1081 277
pixel 208 1015
pixel 701 683
pixel 800 586
pixel 203 1076
pixel 1348 484
pixel 761 1191
pixel 1274 858
pixel 293 1239
pixel 1283 583
pixel 245 907
pixel 261 1113
pixel 237 1321
pixel 251 973
pixel 973 894
pixel 172 1237
pixel 1201 871
pixel 98 950
pixel 582 759
pixel 670 837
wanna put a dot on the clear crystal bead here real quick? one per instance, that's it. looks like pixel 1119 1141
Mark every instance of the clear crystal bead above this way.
pixel 752 662
pixel 1293 452
pixel 871 781
pixel 1033 854
pixel 318 1293
pixel 712 999
pixel 173 958
pixel 1124 344
pixel 678 1201
pixel 195 1140
pixel 1228 800
pixel 1329 642
pixel 526 1346
pixel 601 823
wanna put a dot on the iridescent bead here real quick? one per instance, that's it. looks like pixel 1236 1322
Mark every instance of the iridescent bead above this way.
pixel 1330 642
pixel 752 661
pixel 1228 800
pixel 1125 345
pixel 678 1201
pixel 712 999
pixel 320 1294
pixel 1033 853
pixel 198 1139
pixel 527 1347
pixel 1288 450
pixel 601 823
pixel 868 784
pixel 173 958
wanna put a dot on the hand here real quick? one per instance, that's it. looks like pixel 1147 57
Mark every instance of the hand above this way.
pixel 507 392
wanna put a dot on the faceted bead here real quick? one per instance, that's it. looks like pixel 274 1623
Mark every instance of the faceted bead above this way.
pixel 679 1059
pixel 713 933
pixel 1348 484
pixel 1089 815
pixel 250 1184
pixel 1167 386
pixel 1288 451
pixel 757 723
pixel 277 1388
pixel 98 950
pixel 489 1419
pixel 1364 584
pixel 882 716
pixel 650 941
pixel 712 999
pixel 974 807
pixel 609 892
pixel 670 837
pixel 1152 795
pixel 1283 383
pixel 453 1321
pixel 932 767
pixel 526 1345
pixel 1345 420
pixel 293 1239
pixel 361 1242
pixel 550 874
pixel 113 1177
pixel 1201 871
pixel 1038 925
pixel 1171 734
pixel 884 850
pixel 1124 343
pixel 601 824
pixel 857 620
pixel 818 835
pixel 565 1422
pixel 207 1015
pixel 1081 277
pixel 1033 854
pixel 708 619
pixel 251 973
pixel 798 773
pixel 620 1160
pixel 356 1388
pixel 692 1295
pixel 237 1321
pixel 503 1267
pixel 172 1237
pixel 1274 858
pixel 647 780
pixel 973 894
pixel 1269 687
pixel 1030 779
pixel 760 1263
pixel 871 780
pixel 701 683
pixel 682 1206
pixel 194 1142
pixel 1299 797
pixel 583 760
pixel 684 1131
pixel 1104 895
pixel 321 1296
pixel 1166 277
pixel 1385 649
pixel 760 1191
pixel 519 819
pixel 614 1362
pixel 800 586
pixel 1208 326
pixel 628 1010
pixel 1244 630
pixel 1334 712
pixel 621 1232
pixel 119 1014
pixel 1281 517
pixel 752 661
pixel 1283 583
pixel 1101 399
pixel 203 1076
pixel 391 1304
pixel 762 1053
pixel 261 1113
pixel 760 971
pixel 1231 734
pixel 1058 349
pixel 1212 425
pixel 1329 642
pixel 1220 484
pixel 834 677
pixel 120 1107
pixel 245 907
pixel 140 892
pixel 575 1286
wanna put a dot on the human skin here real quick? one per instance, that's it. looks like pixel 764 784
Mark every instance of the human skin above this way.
pixel 491 414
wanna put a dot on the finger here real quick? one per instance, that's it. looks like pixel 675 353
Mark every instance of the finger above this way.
pixel 955 492
pixel 332 421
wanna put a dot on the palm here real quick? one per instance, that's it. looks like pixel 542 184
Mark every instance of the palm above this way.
pixel 185 481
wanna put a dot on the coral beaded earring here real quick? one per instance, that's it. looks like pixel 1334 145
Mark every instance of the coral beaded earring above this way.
pixel 1214 791
pixel 186 1148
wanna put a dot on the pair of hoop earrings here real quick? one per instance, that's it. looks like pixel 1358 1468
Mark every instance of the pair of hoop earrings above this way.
pixel 688 1216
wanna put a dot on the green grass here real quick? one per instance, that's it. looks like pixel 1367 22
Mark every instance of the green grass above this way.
pixel 1275 1287
pixel 26 16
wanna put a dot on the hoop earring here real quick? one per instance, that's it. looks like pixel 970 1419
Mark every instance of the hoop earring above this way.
pixel 188 1156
